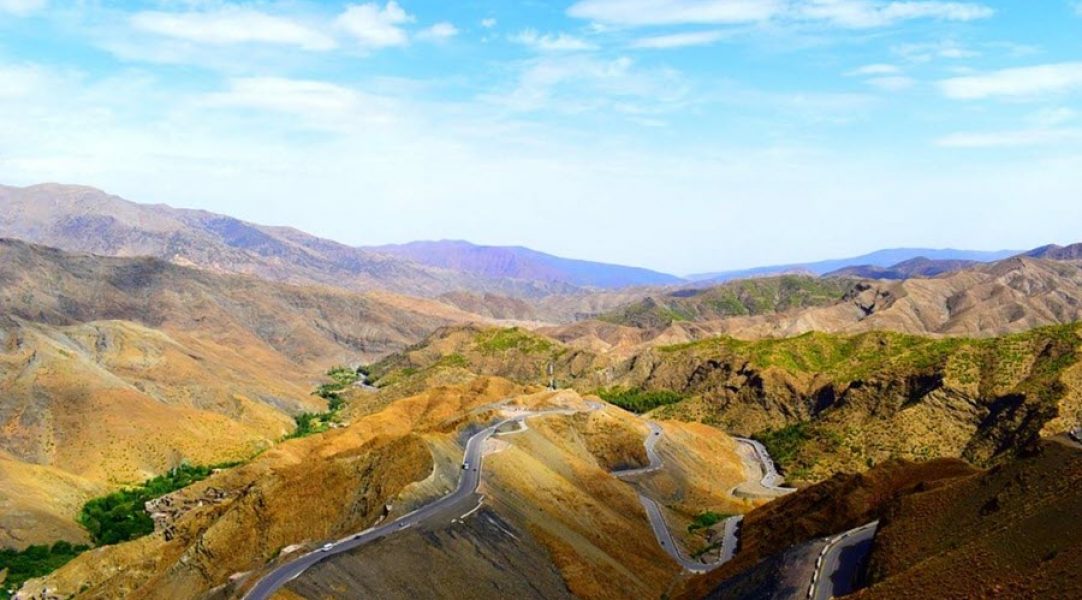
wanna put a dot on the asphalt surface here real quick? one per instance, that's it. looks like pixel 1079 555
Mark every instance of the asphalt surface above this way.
pixel 771 477
pixel 459 502
pixel 839 563
pixel 731 527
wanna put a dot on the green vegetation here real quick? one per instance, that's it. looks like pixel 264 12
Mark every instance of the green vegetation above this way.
pixel 787 446
pixel 453 360
pixel 496 341
pixel 639 401
pixel 736 298
pixel 706 520
pixel 34 561
pixel 122 515
pixel 1006 359
pixel 309 423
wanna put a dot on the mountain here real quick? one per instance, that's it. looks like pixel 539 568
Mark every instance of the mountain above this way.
pixel 113 369
pixel 945 531
pixel 879 258
pixel 516 262
pixel 1011 295
pixel 914 267
pixel 82 219
pixel 1054 252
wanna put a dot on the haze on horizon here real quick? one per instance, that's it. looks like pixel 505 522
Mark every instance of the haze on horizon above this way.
pixel 679 135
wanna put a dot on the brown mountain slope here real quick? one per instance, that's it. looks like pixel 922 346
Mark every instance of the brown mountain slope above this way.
pixel 584 529
pixel 915 267
pixel 82 219
pixel 945 530
pixel 1009 296
pixel 112 370
pixel 824 403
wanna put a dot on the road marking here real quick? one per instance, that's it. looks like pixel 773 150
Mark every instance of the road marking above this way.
pixel 480 502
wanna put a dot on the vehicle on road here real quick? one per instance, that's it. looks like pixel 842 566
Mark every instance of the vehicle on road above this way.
pixel 465 466
pixel 327 548
pixel 1076 434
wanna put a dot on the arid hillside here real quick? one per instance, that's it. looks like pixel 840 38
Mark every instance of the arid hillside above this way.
pixel 113 370
pixel 946 530
pixel 1008 296
pixel 551 507
pixel 83 219
pixel 823 403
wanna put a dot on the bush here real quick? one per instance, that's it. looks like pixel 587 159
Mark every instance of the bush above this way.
pixel 35 561
pixel 707 519
pixel 122 516
pixel 640 401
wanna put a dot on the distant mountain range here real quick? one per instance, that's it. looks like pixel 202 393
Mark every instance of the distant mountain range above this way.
pixel 83 219
pixel 523 263
pixel 879 258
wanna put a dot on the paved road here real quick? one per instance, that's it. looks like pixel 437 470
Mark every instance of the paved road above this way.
pixel 455 504
pixel 839 563
pixel 731 527
pixel 771 477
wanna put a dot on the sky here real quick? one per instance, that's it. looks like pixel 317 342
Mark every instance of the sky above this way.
pixel 680 135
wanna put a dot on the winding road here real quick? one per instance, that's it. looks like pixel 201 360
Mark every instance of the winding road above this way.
pixel 730 534
pixel 839 563
pixel 456 504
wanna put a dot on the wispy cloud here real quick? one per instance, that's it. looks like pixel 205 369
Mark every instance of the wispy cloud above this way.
pixel 374 27
pixel 488 23
pixel 439 31
pixel 1019 83
pixel 21 7
pixel 886 77
pixel 680 40
pixel 878 69
pixel 559 42
pixel 232 25
pixel 1011 139
pixel 857 14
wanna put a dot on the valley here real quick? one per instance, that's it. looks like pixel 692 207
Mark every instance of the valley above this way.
pixel 183 428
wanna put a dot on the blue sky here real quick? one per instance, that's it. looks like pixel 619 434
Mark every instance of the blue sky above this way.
pixel 682 135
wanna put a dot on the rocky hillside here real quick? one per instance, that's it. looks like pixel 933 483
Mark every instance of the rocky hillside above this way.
pixel 82 219
pixel 914 267
pixel 739 298
pixel 1009 296
pixel 114 369
pixel 946 530
pixel 823 403
pixel 499 262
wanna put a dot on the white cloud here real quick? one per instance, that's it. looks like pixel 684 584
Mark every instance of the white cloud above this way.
pixel 231 26
pixel 922 53
pixel 439 31
pixel 896 83
pixel 488 23
pixel 1022 82
pixel 679 40
pixel 578 83
pixel 318 102
pixel 21 7
pixel 675 12
pixel 375 27
pixel 862 14
pixel 878 69
pixel 1010 139
pixel 560 42
pixel 857 14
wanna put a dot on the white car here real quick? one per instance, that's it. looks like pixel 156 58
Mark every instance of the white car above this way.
pixel 327 548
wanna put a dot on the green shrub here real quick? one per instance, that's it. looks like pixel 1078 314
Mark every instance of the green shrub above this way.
pixel 707 519
pixel 639 401
pixel 34 561
pixel 122 516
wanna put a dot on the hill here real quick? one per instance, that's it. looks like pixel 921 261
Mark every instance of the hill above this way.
pixel 516 262
pixel 914 267
pixel 945 531
pixel 879 258
pixel 83 219
pixel 822 403
pixel 114 369
pixel 1011 295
